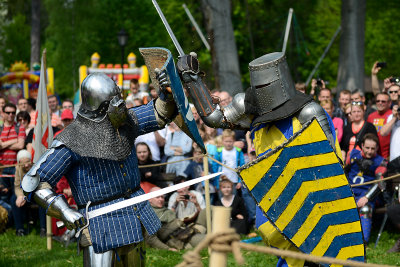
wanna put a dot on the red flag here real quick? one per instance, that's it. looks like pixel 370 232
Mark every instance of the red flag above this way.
pixel 43 132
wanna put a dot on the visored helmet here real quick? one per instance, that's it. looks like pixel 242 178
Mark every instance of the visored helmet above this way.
pixel 101 96
pixel 271 81
pixel 272 95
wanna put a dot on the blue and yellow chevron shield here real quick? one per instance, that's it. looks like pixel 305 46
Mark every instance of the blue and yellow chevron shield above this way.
pixel 302 189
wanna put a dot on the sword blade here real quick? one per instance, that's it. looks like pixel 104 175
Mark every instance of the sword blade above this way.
pixel 169 30
pixel 141 198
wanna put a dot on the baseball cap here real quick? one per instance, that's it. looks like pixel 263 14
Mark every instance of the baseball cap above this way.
pixel 67 115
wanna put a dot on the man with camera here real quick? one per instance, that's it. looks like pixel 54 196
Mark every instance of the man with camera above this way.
pixel 393 92
pixel 187 204
pixel 174 233
pixel 392 127
pixel 380 118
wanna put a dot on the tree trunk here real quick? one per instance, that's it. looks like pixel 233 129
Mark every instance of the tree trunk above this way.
pixel 225 60
pixel 351 56
pixel 35 33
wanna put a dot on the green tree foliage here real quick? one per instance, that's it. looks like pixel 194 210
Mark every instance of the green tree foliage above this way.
pixel 17 44
pixel 78 28
pixel 74 29
pixel 381 37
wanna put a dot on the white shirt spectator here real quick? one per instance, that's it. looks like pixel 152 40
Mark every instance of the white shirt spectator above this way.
pixel 150 140
pixel 394 139
pixel 190 209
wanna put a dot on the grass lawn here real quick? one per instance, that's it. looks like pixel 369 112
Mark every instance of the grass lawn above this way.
pixel 31 251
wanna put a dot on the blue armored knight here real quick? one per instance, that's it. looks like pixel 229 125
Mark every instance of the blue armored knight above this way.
pixel 97 155
pixel 304 201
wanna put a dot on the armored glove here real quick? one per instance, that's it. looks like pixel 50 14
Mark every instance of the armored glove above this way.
pixel 73 219
pixel 188 65
pixel 165 91
pixel 56 206
pixel 165 106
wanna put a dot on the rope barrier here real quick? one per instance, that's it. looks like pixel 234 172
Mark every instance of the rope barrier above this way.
pixel 220 163
pixel 12 165
pixel 377 181
pixel 228 241
pixel 164 163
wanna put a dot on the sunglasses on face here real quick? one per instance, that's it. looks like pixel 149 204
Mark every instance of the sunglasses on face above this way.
pixel 380 101
pixel 393 92
pixel 357 103
pixel 10 112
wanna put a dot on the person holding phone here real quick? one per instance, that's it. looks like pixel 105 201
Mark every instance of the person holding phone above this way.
pixel 188 204
pixel 393 127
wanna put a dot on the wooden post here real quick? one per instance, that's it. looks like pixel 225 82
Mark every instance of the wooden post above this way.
pixel 207 194
pixel 48 232
pixel 221 221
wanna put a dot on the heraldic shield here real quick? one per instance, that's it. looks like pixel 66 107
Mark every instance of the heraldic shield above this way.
pixel 161 58
pixel 302 189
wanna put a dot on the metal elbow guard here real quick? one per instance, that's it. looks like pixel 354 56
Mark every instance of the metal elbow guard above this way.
pixel 232 116
pixel 30 183
pixel 313 110
pixel 235 112
pixel 216 120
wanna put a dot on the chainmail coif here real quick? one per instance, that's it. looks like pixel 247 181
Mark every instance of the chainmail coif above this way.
pixel 100 139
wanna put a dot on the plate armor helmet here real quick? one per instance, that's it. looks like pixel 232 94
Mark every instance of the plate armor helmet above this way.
pixel 271 81
pixel 101 96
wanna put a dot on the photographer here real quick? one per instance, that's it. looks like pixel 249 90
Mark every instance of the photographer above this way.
pixel 393 127
pixel 316 86
pixel 187 204
pixel 393 92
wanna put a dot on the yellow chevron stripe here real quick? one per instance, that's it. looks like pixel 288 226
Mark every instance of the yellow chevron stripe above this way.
pixel 317 212
pixel 294 165
pixel 252 175
pixel 350 252
pixel 268 138
pixel 332 232
pixel 273 238
pixel 305 189
pixel 313 132
pixel 296 125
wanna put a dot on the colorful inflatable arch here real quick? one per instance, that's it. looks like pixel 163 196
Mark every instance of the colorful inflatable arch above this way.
pixel 20 78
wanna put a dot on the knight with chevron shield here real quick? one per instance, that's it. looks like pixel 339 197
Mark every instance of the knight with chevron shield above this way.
pixel 304 201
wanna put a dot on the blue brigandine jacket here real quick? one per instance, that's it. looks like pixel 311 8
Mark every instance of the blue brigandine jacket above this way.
pixel 93 179
pixel 358 175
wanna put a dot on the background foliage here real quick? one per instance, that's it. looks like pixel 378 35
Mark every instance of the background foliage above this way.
pixel 72 30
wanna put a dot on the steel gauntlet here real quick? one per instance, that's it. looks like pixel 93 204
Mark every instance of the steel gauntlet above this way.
pixel 56 206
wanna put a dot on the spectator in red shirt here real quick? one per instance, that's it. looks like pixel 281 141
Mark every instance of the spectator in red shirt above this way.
pixel 379 118
pixel 12 139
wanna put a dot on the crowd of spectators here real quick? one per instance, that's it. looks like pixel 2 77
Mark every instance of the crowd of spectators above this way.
pixel 368 133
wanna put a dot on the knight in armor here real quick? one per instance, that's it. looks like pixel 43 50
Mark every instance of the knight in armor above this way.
pixel 366 166
pixel 97 155
pixel 272 109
